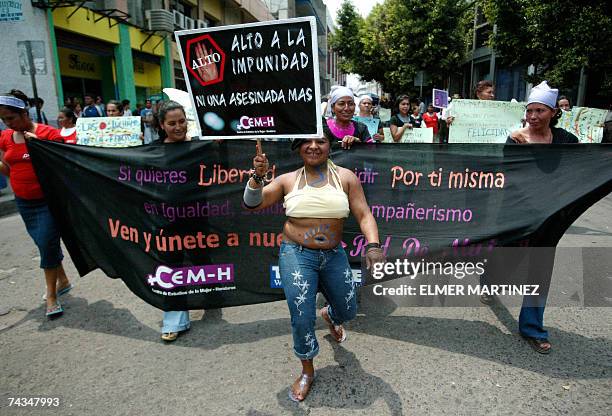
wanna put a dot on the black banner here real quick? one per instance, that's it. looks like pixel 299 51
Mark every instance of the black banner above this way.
pixel 169 221
pixel 254 80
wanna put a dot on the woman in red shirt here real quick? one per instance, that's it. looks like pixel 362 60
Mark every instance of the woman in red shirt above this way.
pixel 67 121
pixel 430 117
pixel 16 164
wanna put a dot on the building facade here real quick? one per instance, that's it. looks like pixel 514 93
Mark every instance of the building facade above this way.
pixel 588 90
pixel 115 49
pixel 26 36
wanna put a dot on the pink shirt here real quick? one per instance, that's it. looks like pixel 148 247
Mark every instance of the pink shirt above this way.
pixel 340 131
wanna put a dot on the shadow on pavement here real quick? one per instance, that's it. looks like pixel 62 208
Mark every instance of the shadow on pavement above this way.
pixel 343 386
pixel 212 331
pixel 578 230
pixel 100 316
pixel 573 355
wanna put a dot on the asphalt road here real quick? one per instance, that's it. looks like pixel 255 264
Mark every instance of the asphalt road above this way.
pixel 104 356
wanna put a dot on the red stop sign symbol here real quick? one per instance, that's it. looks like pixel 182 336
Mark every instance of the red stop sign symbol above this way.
pixel 205 60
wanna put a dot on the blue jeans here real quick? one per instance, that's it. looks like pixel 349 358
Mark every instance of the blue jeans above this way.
pixel 175 321
pixel 303 272
pixel 531 318
pixel 531 322
pixel 43 229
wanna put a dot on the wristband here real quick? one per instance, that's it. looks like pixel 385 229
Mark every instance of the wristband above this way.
pixel 252 197
pixel 259 179
pixel 371 245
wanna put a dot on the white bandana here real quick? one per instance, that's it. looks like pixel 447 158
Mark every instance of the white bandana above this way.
pixel 543 94
pixel 12 101
pixel 337 92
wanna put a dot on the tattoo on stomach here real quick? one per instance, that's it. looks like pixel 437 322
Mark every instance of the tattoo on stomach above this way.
pixel 320 235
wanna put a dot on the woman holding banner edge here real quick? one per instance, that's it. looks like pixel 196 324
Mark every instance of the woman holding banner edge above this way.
pixel 317 198
pixel 171 124
pixel 339 124
pixel 16 164
pixel 542 115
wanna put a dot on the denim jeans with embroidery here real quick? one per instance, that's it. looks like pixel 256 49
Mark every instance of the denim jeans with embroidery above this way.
pixel 305 271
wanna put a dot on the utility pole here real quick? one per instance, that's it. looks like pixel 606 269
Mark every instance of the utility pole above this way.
pixel 32 70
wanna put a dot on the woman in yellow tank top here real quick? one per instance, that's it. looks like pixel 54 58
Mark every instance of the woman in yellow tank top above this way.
pixel 317 199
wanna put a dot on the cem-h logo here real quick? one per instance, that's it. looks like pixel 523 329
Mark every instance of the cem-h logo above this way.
pixel 215 55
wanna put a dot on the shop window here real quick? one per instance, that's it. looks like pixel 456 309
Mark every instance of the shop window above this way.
pixel 184 8
pixel 482 36
pixel 153 4
pixel 136 12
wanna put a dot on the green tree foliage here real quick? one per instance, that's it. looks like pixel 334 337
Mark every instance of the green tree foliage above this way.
pixel 346 40
pixel 557 36
pixel 400 38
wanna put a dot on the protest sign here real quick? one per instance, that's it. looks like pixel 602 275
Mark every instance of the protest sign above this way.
pixel 585 123
pixel 108 131
pixel 180 237
pixel 384 114
pixel 440 98
pixel 484 121
pixel 418 135
pixel 371 122
pixel 254 80
pixel 387 134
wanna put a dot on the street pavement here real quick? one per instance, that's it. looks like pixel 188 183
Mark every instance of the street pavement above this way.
pixel 104 356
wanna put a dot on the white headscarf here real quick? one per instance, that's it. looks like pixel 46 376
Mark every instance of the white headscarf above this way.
pixel 337 92
pixel 364 97
pixel 543 94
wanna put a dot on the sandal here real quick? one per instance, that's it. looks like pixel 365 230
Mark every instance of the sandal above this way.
pixel 172 336
pixel 537 344
pixel 65 290
pixel 54 311
pixel 169 336
pixel 61 292
pixel 304 383
pixel 337 331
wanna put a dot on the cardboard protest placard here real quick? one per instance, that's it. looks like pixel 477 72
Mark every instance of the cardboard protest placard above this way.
pixel 384 114
pixel 440 98
pixel 387 134
pixel 108 131
pixel 484 121
pixel 254 80
pixel 585 123
pixel 418 135
pixel 371 122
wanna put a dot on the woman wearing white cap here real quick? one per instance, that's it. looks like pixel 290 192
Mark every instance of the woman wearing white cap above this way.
pixel 340 126
pixel 366 104
pixel 542 115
